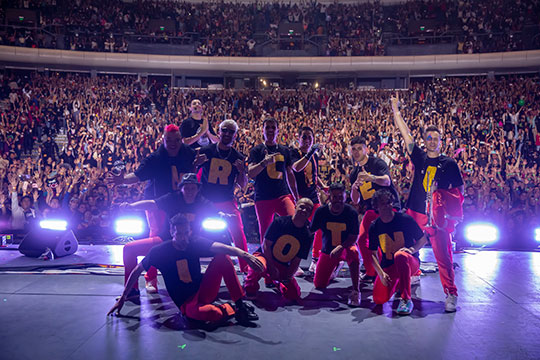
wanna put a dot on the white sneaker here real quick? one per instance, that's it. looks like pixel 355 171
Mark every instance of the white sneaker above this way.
pixel 354 298
pixel 415 280
pixel 151 287
pixel 299 272
pixel 450 305
pixel 337 270
pixel 313 265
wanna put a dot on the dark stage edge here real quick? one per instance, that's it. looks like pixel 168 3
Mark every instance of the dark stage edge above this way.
pixel 63 317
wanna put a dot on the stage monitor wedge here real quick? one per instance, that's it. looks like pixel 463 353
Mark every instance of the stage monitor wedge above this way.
pixel 62 243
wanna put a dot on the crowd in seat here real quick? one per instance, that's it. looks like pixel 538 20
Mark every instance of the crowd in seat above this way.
pixel 234 28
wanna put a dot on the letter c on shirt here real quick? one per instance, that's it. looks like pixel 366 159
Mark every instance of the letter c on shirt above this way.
pixel 271 168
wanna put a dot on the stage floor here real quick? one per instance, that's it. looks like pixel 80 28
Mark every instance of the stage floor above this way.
pixel 62 315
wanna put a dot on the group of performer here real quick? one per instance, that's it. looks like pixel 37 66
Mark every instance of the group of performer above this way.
pixel 194 173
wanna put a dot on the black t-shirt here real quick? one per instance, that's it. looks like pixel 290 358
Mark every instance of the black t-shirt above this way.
pixel 377 167
pixel 181 269
pixel 173 203
pixel 219 173
pixel 325 169
pixel 443 169
pixel 271 183
pixel 335 228
pixel 288 240
pixel 163 171
pixel 401 232
pixel 190 126
pixel 306 180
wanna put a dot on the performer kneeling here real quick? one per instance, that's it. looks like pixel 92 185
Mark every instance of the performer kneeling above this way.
pixel 399 238
pixel 286 242
pixel 191 291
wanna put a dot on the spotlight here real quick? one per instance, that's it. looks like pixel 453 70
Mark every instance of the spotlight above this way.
pixel 481 234
pixel 537 234
pixel 214 224
pixel 129 226
pixel 59 225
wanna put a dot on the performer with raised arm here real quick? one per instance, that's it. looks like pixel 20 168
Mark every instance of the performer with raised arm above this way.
pixel 430 168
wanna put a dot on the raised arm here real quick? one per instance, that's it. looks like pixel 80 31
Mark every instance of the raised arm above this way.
pixel 401 125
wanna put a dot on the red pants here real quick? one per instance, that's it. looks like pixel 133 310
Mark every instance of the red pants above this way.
pixel 326 266
pixel 236 228
pixel 266 209
pixel 405 265
pixel 139 248
pixel 290 291
pixel 199 306
pixel 363 241
pixel 441 243
pixel 317 242
pixel 157 221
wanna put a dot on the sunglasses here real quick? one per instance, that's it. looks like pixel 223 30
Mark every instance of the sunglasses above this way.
pixel 227 131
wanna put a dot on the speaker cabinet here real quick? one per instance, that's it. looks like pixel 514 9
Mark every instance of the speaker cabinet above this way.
pixel 61 243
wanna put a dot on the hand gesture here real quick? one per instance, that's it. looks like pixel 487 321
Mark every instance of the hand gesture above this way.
pixel 240 166
pixel 336 253
pixel 123 206
pixel 114 179
pixel 204 126
pixel 407 250
pixel 199 159
pixel 385 279
pixel 35 195
pixel 117 307
pixel 254 263
pixel 394 101
pixel 268 158
pixel 364 177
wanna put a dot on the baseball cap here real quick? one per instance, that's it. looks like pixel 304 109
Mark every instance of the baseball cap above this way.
pixel 189 178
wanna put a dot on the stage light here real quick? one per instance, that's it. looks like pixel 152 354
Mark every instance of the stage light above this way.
pixel 482 234
pixel 537 234
pixel 214 224
pixel 129 226
pixel 60 225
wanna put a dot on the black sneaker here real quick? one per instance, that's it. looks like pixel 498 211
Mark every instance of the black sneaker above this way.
pixel 245 313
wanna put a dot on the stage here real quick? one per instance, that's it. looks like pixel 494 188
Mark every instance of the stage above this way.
pixel 57 310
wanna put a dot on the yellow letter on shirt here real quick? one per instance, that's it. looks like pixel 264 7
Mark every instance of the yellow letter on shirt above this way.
pixel 271 168
pixel 280 244
pixel 183 271
pixel 336 229
pixel 389 246
pixel 219 170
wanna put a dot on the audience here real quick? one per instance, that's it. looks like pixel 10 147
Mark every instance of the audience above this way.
pixel 234 28
pixel 61 133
